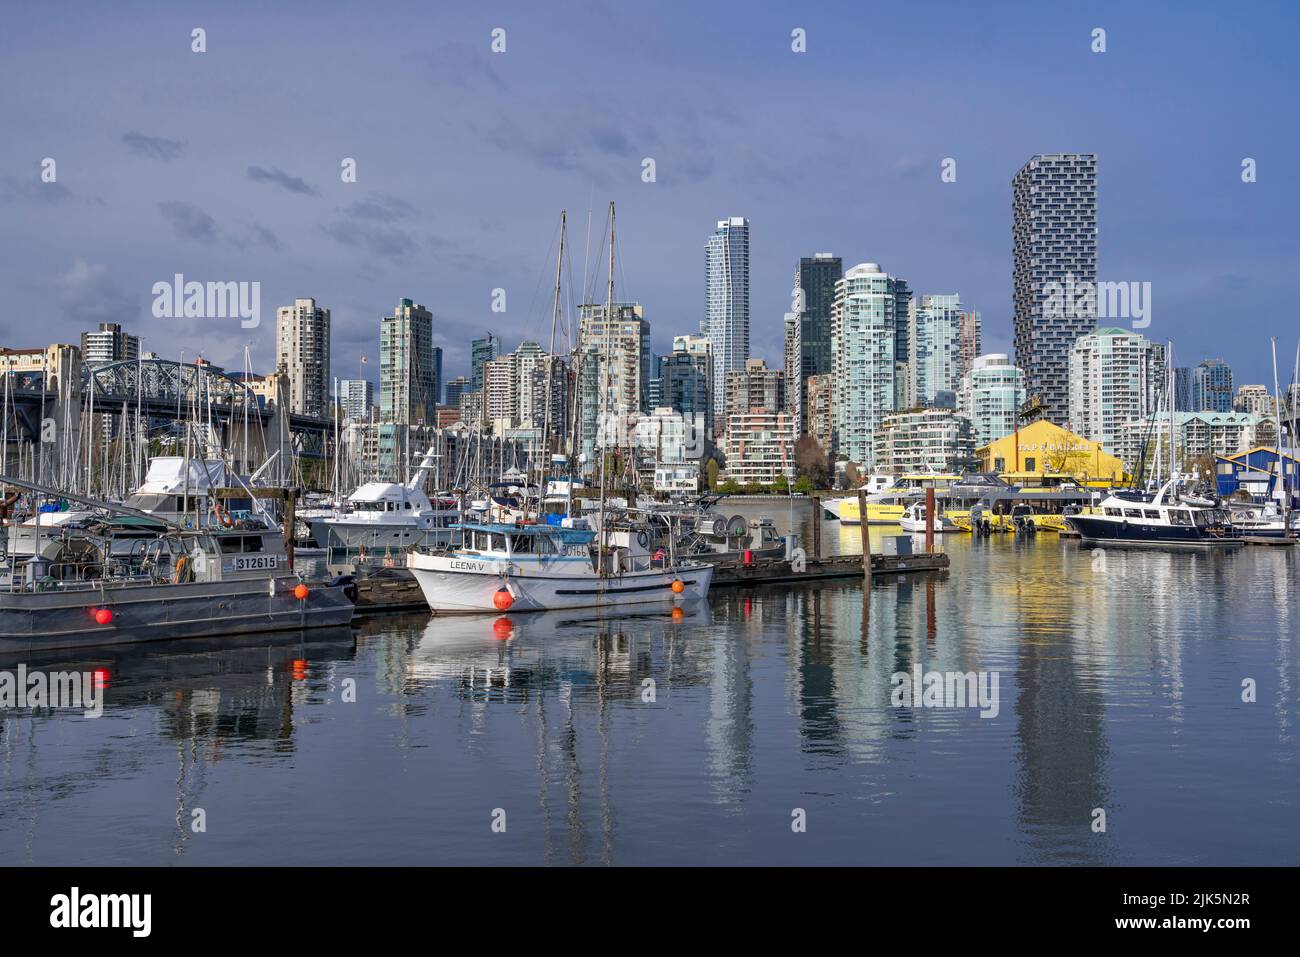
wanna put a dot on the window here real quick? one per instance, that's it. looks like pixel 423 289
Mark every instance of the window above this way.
pixel 1031 465
pixel 1115 512
pixel 1151 512
pixel 1180 516
pixel 1132 513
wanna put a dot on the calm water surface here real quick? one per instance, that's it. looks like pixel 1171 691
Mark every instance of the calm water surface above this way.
pixel 1120 687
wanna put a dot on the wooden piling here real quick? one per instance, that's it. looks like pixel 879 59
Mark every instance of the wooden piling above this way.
pixel 930 519
pixel 866 536
pixel 817 527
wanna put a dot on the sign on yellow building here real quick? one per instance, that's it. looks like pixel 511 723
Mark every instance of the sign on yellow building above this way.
pixel 1045 454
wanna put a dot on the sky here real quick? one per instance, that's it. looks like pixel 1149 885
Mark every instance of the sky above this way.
pixel 225 165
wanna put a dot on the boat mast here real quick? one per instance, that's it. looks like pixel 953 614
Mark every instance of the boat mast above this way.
pixel 604 394
pixel 1281 465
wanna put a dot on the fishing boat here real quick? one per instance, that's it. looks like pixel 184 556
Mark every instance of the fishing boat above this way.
pixel 389 515
pixel 499 567
pixel 1160 521
pixel 715 538
pixel 185 584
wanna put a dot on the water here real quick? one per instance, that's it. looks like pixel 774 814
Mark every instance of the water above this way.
pixel 1120 687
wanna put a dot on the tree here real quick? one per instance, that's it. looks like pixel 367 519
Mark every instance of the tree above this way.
pixel 782 484
pixel 804 485
pixel 811 460
pixel 729 487
pixel 712 470
pixel 851 477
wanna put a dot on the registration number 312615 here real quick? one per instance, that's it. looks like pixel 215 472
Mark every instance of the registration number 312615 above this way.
pixel 253 563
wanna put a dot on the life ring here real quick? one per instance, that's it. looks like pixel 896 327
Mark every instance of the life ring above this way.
pixel 223 516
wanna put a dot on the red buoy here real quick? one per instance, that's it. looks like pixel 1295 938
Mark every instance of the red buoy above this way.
pixel 301 591
pixel 749 557
pixel 503 599
pixel 103 616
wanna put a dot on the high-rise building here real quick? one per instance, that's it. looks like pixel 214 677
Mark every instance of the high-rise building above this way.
pixel 1054 231
pixel 755 388
pixel 406 369
pixel 726 300
pixel 863 367
pixel 934 345
pixel 437 374
pixel 356 397
pixel 482 351
pixel 108 344
pixel 924 440
pixel 818 411
pixel 793 381
pixel 990 395
pixel 683 380
pixel 816 281
pixel 501 392
pixel 1182 389
pixel 760 447
pixel 302 352
pixel 1254 398
pixel 1212 386
pixel 1116 376
pixel 454 389
pixel 971 343
pixel 527 359
pixel 622 348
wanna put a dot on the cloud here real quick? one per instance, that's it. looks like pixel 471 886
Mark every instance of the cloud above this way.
pixel 278 177
pixel 188 221
pixel 379 208
pixel 464 67
pixel 89 296
pixel 267 238
pixel 154 147
pixel 368 224
pixel 34 190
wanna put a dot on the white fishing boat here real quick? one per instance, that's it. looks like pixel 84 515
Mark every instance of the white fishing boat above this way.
pixel 498 567
pixel 389 515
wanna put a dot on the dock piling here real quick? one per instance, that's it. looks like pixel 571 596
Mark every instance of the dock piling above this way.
pixel 866 537
pixel 930 519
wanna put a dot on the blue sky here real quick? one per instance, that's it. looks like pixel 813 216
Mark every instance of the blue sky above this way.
pixel 225 165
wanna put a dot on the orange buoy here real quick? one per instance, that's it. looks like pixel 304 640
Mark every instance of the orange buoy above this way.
pixel 301 591
pixel 503 628
pixel 503 599
pixel 103 616
pixel 678 586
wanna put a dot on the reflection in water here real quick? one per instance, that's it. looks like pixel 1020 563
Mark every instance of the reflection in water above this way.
pixel 688 736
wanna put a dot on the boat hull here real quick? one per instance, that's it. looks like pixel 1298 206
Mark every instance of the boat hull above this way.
pixel 143 612
pixel 1096 530
pixel 454 585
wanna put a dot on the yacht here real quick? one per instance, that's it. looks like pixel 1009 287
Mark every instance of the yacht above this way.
pixel 1161 521
pixel 389 515
pixel 836 509
pixel 498 567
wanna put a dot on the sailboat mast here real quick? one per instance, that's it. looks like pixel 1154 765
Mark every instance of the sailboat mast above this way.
pixel 604 392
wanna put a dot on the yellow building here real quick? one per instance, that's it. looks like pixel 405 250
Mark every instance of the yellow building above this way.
pixel 1046 454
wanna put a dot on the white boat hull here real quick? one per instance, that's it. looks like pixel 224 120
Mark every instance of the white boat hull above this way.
pixel 454 585
pixel 332 533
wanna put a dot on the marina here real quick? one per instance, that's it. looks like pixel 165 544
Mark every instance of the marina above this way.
pixel 767 698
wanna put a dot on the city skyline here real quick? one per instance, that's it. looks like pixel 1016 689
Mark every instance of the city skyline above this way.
pixel 146 189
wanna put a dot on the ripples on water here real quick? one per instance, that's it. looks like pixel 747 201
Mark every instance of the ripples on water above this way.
pixel 1120 685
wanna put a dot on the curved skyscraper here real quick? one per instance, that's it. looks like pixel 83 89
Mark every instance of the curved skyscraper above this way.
pixel 726 300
